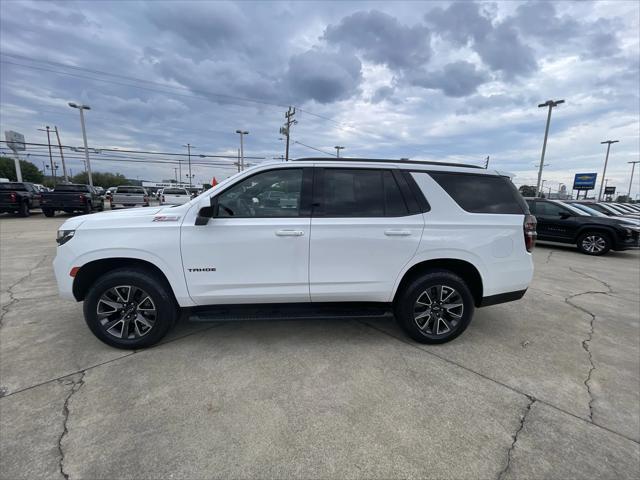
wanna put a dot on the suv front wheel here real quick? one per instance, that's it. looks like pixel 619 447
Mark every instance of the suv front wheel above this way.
pixel 435 308
pixel 129 308
pixel 594 243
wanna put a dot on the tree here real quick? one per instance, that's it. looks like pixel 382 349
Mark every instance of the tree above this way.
pixel 101 179
pixel 30 172
pixel 527 190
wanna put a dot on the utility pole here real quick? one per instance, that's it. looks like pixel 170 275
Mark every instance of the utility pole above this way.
pixel 550 104
pixel 338 148
pixel 606 160
pixel 486 162
pixel 82 108
pixel 175 173
pixel 242 134
pixel 238 160
pixel 286 129
pixel 64 166
pixel 633 167
pixel 189 147
pixel 46 129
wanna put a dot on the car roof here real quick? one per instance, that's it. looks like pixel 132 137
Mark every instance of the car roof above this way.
pixel 401 163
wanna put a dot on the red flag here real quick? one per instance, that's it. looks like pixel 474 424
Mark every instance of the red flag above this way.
pixel 214 182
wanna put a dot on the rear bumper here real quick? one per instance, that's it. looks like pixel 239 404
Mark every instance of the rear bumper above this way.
pixel 502 298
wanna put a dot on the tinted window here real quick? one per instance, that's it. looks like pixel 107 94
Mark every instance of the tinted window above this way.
pixel 138 190
pixel 361 193
pixel 481 193
pixel 550 209
pixel 269 194
pixel 71 188
pixel 175 191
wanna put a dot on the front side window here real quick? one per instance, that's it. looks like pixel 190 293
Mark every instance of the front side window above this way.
pixel 550 209
pixel 271 194
pixel 361 193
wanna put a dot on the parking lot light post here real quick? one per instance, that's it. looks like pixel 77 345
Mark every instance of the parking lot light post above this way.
pixel 606 160
pixel 242 134
pixel 550 104
pixel 338 148
pixel 82 108
pixel 633 167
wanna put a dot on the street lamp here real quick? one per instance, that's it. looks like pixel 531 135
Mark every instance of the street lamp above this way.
pixel 606 160
pixel 633 167
pixel 550 104
pixel 338 148
pixel 82 108
pixel 242 134
pixel 189 147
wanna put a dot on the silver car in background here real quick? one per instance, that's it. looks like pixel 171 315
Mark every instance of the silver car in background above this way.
pixel 129 196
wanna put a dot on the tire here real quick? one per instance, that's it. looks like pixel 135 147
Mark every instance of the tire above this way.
pixel 594 243
pixel 435 324
pixel 48 212
pixel 142 284
pixel 87 208
pixel 24 209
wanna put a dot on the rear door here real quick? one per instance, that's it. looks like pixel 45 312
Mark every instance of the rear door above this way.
pixel 364 230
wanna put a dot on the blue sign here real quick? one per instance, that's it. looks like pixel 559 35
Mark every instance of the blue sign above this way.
pixel 584 181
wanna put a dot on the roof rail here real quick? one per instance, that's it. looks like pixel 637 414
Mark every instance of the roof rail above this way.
pixel 385 160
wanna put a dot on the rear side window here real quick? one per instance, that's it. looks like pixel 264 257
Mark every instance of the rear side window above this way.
pixel 482 193
pixel 174 191
pixel 361 193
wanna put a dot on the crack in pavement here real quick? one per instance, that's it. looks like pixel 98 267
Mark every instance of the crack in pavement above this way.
pixel 586 343
pixel 12 300
pixel 605 284
pixel 75 384
pixel 551 252
pixel 523 419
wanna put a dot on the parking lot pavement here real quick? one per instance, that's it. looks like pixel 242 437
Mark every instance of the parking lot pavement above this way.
pixel 547 387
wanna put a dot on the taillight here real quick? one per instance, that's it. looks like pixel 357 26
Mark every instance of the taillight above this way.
pixel 82 198
pixel 163 198
pixel 529 228
pixel 13 197
pixel 145 199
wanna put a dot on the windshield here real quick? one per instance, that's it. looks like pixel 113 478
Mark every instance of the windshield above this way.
pixel 590 211
pixel 12 186
pixel 71 188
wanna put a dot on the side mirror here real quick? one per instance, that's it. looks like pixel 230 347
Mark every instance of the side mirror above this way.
pixel 204 215
pixel 564 215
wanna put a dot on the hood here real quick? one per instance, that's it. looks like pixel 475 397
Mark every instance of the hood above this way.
pixel 75 222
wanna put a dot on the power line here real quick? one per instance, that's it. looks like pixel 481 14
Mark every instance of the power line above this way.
pixel 314 148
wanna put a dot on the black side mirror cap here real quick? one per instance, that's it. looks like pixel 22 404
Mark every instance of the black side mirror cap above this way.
pixel 204 215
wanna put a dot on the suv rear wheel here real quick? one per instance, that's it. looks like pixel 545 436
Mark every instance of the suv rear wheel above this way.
pixel 435 307
pixel 129 308
pixel 594 243
pixel 24 209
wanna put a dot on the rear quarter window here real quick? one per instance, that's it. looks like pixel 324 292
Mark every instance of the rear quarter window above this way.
pixel 482 193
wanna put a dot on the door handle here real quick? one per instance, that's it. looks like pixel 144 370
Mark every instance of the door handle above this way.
pixel 289 233
pixel 397 233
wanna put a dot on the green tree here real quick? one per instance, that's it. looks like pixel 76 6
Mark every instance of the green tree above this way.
pixel 527 190
pixel 101 179
pixel 30 172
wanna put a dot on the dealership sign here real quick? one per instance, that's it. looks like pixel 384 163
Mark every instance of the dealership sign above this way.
pixel 584 181
pixel 609 190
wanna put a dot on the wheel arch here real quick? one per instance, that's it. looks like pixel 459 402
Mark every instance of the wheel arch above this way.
pixel 595 228
pixel 91 271
pixel 463 268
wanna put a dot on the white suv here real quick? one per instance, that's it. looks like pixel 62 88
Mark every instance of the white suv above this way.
pixel 428 242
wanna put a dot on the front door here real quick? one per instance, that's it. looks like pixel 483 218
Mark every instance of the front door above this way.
pixel 256 248
pixel 362 234
pixel 555 222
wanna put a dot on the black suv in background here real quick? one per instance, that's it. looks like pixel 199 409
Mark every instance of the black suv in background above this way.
pixel 562 223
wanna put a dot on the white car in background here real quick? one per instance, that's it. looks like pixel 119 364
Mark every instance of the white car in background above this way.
pixel 174 196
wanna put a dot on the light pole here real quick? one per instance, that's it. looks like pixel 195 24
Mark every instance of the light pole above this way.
pixel 47 129
pixel 189 147
pixel 633 167
pixel 338 148
pixel 550 104
pixel 606 160
pixel 242 134
pixel 82 108
pixel 541 188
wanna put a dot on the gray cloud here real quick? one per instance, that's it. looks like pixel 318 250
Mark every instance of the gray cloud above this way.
pixel 323 76
pixel 457 79
pixel 382 93
pixel 382 39
pixel 460 22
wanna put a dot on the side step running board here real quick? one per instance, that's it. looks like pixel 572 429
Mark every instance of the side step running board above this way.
pixel 289 311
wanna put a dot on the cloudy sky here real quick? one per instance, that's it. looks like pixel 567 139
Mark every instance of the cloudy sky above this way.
pixel 447 81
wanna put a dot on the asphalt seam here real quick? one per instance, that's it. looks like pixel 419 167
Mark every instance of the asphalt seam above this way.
pixel 497 382
pixel 6 308
pixel 523 419
pixel 91 367
pixel 75 386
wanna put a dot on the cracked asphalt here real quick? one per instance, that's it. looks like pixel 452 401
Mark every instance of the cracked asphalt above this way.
pixel 547 387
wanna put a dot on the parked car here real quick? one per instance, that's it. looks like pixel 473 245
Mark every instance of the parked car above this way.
pixel 559 222
pixel 129 196
pixel 605 208
pixel 100 191
pixel 596 213
pixel 70 198
pixel 427 241
pixel 18 197
pixel 109 192
pixel 174 196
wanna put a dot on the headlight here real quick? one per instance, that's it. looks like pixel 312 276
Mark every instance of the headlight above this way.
pixel 64 236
